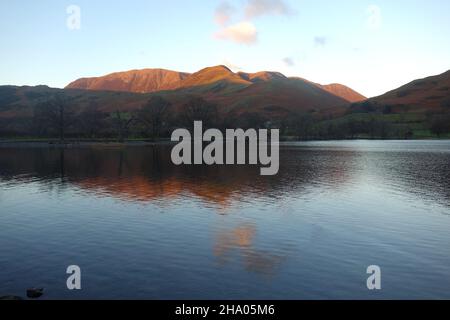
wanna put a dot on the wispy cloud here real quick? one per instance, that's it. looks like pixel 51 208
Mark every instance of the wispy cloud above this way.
pixel 231 65
pixel 243 32
pixel 257 8
pixel 320 41
pixel 224 13
pixel 289 62
pixel 374 17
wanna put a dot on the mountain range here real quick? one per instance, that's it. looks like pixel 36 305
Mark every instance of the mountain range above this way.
pixel 268 94
pixel 219 78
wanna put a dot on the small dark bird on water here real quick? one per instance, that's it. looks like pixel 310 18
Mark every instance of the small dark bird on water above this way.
pixel 34 293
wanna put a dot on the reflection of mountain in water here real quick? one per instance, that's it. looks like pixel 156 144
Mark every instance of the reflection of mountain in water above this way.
pixel 241 239
pixel 146 173
pixel 310 177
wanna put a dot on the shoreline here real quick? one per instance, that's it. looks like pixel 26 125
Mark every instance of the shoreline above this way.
pixel 75 144
pixel 33 143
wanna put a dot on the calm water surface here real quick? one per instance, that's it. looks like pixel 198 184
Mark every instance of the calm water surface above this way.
pixel 142 228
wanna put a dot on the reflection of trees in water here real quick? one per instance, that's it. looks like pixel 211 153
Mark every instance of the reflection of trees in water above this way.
pixel 147 173
pixel 241 240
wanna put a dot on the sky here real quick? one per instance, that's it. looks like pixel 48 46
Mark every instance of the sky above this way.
pixel 370 46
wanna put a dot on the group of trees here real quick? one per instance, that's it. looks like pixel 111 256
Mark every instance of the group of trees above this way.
pixel 61 117
pixel 306 127
pixel 440 125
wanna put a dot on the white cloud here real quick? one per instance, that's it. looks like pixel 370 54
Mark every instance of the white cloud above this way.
pixel 257 8
pixel 374 19
pixel 224 13
pixel 243 32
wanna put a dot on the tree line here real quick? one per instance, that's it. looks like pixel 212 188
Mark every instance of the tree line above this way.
pixel 59 117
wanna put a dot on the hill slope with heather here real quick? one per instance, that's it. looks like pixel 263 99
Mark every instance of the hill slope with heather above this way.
pixel 263 92
pixel 139 81
pixel 297 106
pixel 427 94
pixel 344 92
pixel 211 80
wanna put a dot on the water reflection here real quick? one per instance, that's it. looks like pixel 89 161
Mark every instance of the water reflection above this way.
pixel 333 209
pixel 146 173
pixel 241 239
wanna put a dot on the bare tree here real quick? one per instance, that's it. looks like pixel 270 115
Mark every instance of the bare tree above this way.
pixel 198 109
pixel 122 122
pixel 153 115
pixel 91 120
pixel 55 113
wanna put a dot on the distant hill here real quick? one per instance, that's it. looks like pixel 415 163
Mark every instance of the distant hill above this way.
pixel 282 96
pixel 268 93
pixel 422 95
pixel 211 80
pixel 344 92
pixel 262 76
pixel 263 96
pixel 140 81
pixel 332 110
pixel 419 109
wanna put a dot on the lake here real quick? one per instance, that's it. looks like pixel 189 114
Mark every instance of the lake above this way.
pixel 142 228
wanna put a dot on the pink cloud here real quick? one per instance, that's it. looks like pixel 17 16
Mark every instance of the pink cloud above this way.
pixel 224 13
pixel 243 32
pixel 256 8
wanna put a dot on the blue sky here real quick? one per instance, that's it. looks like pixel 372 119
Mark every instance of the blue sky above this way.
pixel 371 46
